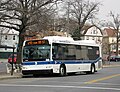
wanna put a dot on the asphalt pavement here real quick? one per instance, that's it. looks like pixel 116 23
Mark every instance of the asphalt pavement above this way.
pixel 5 75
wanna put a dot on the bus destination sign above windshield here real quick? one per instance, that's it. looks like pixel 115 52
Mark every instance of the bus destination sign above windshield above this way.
pixel 37 42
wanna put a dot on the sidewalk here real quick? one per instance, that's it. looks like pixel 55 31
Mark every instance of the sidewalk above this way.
pixel 111 64
pixel 9 76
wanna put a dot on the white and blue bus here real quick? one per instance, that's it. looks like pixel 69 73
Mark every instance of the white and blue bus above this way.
pixel 61 55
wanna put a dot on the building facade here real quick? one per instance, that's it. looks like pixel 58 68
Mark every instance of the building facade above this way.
pixel 8 38
pixel 93 33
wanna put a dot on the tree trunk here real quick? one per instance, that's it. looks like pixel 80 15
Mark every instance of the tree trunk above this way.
pixel 19 49
pixel 117 42
pixel 117 51
pixel 80 29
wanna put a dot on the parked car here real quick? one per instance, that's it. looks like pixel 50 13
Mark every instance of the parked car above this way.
pixel 115 58
pixel 10 59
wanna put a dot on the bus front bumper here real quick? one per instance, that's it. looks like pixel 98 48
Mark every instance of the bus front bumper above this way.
pixel 25 72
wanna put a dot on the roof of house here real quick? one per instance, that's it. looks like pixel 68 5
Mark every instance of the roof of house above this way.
pixel 10 32
pixel 110 32
pixel 88 27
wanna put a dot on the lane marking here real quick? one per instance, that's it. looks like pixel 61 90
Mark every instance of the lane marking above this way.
pixel 59 86
pixel 101 79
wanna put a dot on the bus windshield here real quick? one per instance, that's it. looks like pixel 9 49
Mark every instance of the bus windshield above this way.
pixel 36 52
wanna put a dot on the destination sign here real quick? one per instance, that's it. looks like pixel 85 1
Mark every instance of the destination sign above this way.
pixel 36 42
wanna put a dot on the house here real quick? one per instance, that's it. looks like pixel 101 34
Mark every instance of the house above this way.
pixel 8 38
pixel 92 33
pixel 109 40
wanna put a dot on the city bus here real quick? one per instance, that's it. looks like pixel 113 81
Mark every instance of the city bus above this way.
pixel 60 55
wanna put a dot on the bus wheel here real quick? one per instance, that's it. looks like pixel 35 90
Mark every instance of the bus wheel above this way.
pixel 62 70
pixel 92 70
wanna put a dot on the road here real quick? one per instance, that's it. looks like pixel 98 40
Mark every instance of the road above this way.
pixel 105 80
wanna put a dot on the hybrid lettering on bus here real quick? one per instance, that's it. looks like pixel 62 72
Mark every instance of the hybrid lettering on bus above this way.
pixel 61 55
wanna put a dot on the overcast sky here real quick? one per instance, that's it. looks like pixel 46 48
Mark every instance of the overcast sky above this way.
pixel 107 6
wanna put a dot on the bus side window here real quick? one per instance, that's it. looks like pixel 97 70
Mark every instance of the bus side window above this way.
pixel 60 53
pixel 54 54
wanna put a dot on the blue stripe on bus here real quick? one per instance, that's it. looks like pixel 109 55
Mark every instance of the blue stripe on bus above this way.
pixel 37 62
pixel 60 61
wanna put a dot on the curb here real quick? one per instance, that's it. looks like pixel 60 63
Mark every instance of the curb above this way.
pixel 12 77
pixel 8 76
pixel 105 66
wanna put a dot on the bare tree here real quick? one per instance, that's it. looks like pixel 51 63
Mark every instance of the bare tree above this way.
pixel 20 15
pixel 115 24
pixel 82 11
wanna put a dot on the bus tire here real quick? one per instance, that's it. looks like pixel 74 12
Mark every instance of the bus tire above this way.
pixel 92 69
pixel 62 70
